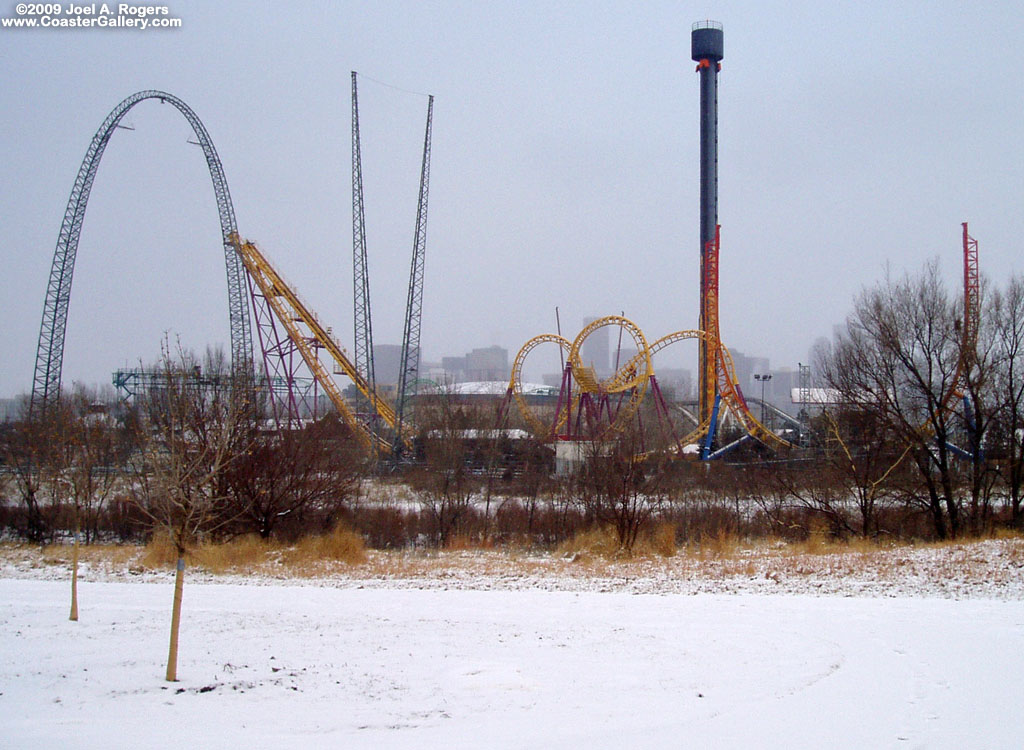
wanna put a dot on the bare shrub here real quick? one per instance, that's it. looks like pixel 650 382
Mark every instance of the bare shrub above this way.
pixel 287 481
pixel 384 527
pixel 697 518
pixel 617 488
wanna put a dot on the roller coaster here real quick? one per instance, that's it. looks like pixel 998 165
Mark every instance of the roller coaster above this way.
pixel 50 349
pixel 308 337
pixel 290 334
pixel 590 408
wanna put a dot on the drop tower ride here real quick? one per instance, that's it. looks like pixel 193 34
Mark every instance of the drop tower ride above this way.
pixel 707 43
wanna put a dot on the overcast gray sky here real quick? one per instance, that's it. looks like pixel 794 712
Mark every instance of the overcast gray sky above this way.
pixel 565 165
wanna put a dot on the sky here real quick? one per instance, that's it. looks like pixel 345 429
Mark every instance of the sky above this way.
pixel 853 138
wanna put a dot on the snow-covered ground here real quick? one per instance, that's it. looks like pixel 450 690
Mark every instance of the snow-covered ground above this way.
pixel 335 662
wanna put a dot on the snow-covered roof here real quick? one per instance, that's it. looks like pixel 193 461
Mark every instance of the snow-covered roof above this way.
pixel 511 434
pixel 496 388
pixel 536 389
pixel 478 388
pixel 815 396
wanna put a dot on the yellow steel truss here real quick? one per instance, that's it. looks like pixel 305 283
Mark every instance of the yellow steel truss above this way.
pixel 308 335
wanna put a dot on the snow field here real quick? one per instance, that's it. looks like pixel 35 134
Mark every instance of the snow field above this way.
pixel 317 666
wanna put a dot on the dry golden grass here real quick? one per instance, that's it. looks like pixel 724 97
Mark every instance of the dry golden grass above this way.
pixel 662 540
pixel 866 545
pixel 463 542
pixel 603 543
pixel 115 555
pixel 723 545
pixel 1005 533
pixel 818 541
pixel 1016 553
pixel 242 554
pixel 594 542
pixel 160 553
pixel 594 554
pixel 251 554
pixel 341 545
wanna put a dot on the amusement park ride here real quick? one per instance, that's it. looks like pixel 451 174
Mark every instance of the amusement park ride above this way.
pixel 589 407
pixel 604 407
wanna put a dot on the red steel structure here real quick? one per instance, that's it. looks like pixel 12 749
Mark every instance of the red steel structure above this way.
pixel 972 291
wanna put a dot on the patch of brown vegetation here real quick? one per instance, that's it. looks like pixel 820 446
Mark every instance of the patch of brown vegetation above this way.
pixel 112 555
pixel 602 543
pixel 340 545
pixel 252 555
pixel 721 545
pixel 662 540
pixel 591 556
pixel 594 542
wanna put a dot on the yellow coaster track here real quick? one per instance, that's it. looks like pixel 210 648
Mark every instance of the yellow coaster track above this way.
pixel 634 376
pixel 308 334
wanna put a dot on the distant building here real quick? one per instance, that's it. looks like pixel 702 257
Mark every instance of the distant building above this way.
pixel 553 379
pixel 676 383
pixel 387 363
pixel 746 367
pixel 453 369
pixel 488 391
pixel 432 371
pixel 11 409
pixel 487 364
pixel 622 356
pixel 816 397
pixel 595 351
pixel 783 381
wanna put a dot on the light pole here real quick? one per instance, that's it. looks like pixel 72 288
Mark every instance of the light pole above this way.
pixel 762 379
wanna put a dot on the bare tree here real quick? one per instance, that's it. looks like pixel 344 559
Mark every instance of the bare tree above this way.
pixel 978 409
pixel 194 427
pixel 534 482
pixel 93 467
pixel 1006 311
pixel 444 483
pixel 66 460
pixel 35 453
pixel 617 486
pixel 861 457
pixel 283 474
pixel 898 361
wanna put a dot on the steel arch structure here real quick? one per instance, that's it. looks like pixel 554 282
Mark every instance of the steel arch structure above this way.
pixel 50 351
